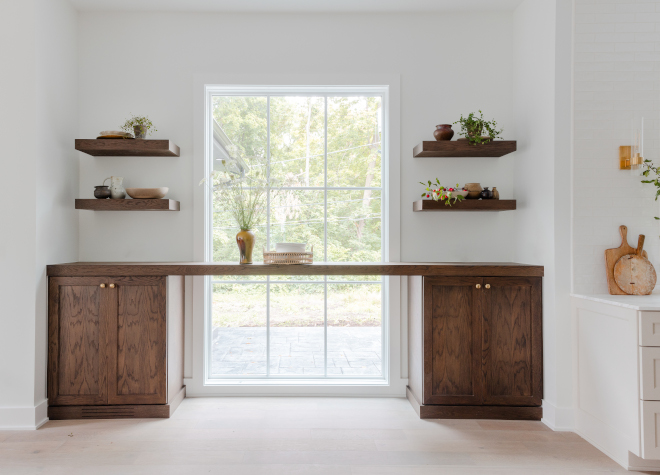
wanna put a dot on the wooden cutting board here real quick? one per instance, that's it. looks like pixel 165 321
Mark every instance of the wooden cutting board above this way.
pixel 613 255
pixel 634 274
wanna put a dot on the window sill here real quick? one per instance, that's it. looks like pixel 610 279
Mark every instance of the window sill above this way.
pixel 296 382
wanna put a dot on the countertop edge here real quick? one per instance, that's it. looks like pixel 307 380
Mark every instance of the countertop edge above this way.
pixel 494 269
pixel 618 301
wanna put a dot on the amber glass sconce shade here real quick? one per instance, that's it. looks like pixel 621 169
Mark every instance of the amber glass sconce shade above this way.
pixel 624 157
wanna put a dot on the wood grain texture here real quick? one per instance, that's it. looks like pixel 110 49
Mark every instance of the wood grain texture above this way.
pixel 138 374
pixel 77 341
pixel 518 413
pixel 509 318
pixel 126 411
pixel 473 269
pixel 452 344
pixel 613 255
pixel 416 335
pixel 127 148
pixel 175 334
pixel 635 275
pixel 465 205
pixel 128 205
pixel 461 148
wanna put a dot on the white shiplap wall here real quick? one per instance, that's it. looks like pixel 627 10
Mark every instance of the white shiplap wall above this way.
pixel 616 76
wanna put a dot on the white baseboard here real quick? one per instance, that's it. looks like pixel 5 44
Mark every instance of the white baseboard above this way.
pixel 558 418
pixel 24 418
pixel 324 388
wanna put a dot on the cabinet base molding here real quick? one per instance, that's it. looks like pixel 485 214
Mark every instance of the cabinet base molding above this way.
pixel 516 413
pixel 128 411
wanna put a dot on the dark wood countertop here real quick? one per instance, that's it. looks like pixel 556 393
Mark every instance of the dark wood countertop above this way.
pixel 115 269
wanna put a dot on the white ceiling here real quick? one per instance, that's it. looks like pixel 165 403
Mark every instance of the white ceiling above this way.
pixel 297 5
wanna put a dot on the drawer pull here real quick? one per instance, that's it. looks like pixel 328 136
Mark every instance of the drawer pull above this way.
pixel 102 286
pixel 488 286
pixel 112 286
pixel 478 286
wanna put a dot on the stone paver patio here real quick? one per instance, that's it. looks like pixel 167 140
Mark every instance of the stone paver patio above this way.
pixel 297 351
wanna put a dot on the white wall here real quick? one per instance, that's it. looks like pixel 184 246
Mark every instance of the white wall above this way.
pixel 617 74
pixel 438 83
pixel 37 111
pixel 542 33
pixel 57 170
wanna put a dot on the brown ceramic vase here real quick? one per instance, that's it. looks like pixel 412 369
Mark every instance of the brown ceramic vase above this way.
pixel 245 241
pixel 474 190
pixel 443 132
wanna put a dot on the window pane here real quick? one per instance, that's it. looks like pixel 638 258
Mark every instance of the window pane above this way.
pixel 238 342
pixel 354 226
pixel 297 141
pixel 354 329
pixel 354 141
pixel 296 329
pixel 297 216
pixel 240 134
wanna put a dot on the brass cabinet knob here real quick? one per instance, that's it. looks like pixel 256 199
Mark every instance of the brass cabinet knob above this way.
pixel 478 286
pixel 102 286
pixel 112 286
pixel 487 286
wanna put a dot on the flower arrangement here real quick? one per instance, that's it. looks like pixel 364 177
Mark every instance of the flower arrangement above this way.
pixel 437 192
pixel 243 196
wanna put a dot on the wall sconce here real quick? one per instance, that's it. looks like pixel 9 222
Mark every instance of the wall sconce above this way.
pixel 624 157
pixel 631 157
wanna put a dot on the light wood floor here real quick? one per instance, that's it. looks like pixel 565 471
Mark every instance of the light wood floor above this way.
pixel 289 436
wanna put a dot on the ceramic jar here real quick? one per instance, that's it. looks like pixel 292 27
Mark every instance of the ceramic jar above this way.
pixel 245 241
pixel 474 189
pixel 486 194
pixel 443 132
pixel 496 194
pixel 101 192
pixel 117 191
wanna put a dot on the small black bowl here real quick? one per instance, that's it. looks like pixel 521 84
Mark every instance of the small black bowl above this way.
pixel 102 192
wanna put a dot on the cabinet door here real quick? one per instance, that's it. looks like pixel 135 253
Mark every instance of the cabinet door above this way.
pixel 512 341
pixel 452 340
pixel 137 357
pixel 77 334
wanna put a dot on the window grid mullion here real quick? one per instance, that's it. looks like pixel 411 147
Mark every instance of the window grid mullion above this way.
pixel 325 236
pixel 268 234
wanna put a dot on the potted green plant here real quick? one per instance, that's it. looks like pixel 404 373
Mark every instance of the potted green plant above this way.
pixel 444 194
pixel 477 130
pixel 140 126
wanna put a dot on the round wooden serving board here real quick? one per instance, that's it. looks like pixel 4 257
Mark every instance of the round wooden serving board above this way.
pixel 634 274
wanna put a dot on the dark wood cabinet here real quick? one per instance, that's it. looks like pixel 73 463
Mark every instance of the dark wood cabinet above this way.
pixel 476 347
pixel 115 346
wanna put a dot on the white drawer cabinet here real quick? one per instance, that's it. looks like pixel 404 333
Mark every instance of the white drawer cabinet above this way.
pixel 649 381
pixel 650 429
pixel 649 328
pixel 616 379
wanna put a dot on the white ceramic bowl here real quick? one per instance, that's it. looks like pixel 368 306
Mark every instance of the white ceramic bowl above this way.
pixel 456 193
pixel 147 193
pixel 289 247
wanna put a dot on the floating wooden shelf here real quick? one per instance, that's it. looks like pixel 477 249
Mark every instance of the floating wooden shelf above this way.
pixel 462 148
pixel 128 148
pixel 128 205
pixel 465 205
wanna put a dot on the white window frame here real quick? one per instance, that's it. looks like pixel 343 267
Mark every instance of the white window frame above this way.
pixel 394 288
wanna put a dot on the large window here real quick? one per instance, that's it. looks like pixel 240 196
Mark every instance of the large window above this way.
pixel 322 149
